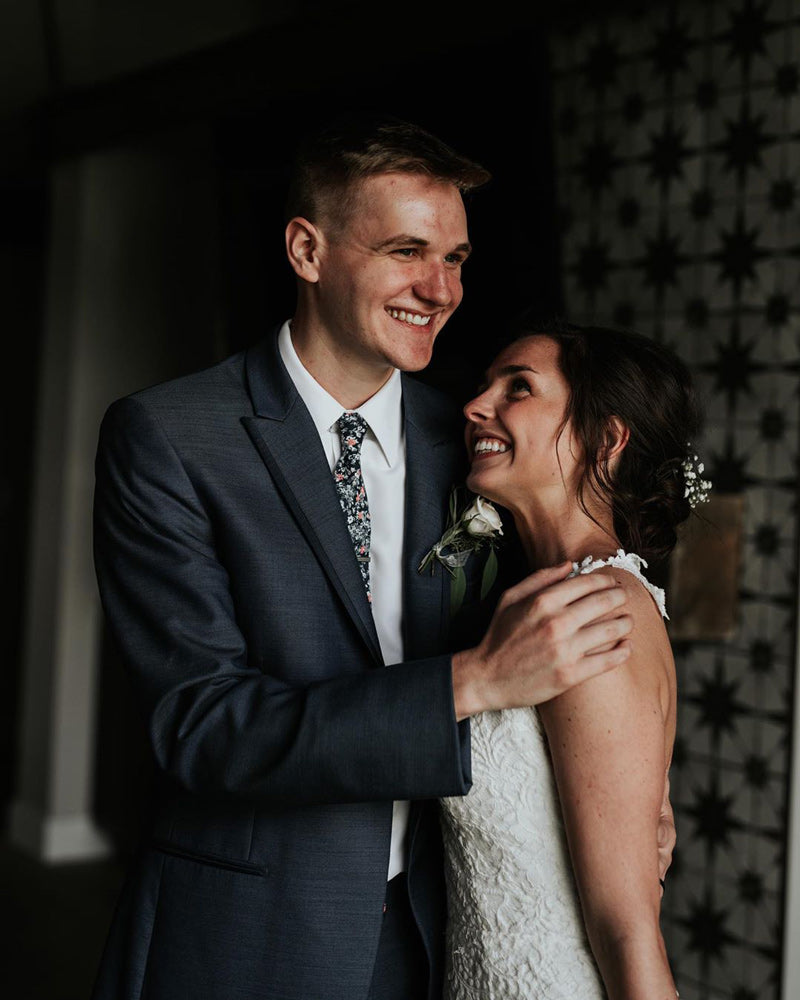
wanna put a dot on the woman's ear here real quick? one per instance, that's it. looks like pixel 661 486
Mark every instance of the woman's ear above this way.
pixel 303 243
pixel 617 436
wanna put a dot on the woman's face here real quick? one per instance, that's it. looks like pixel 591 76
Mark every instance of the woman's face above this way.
pixel 517 446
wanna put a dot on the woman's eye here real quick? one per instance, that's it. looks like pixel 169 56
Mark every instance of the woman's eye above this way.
pixel 519 385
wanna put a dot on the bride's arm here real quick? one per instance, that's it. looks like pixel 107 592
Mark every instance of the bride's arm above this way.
pixel 607 739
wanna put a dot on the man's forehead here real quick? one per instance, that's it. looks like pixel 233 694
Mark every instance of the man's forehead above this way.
pixel 396 188
pixel 396 178
pixel 403 203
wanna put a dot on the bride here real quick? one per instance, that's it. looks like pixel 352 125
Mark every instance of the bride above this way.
pixel 551 860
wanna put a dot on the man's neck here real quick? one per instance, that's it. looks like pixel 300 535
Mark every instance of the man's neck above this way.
pixel 346 378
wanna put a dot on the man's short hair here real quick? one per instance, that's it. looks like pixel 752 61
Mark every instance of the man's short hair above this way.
pixel 330 163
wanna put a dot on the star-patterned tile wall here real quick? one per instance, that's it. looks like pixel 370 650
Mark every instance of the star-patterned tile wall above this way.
pixel 677 162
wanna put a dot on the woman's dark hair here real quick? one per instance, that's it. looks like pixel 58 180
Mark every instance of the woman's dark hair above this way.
pixel 616 373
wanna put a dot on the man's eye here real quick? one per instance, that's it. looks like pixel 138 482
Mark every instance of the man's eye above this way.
pixel 405 251
pixel 454 258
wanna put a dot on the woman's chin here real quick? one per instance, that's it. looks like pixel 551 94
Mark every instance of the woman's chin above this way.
pixel 483 486
pixel 473 482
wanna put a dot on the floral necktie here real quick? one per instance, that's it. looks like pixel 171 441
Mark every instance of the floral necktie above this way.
pixel 352 493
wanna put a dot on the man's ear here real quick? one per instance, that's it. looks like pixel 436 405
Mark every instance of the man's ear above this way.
pixel 303 242
pixel 617 436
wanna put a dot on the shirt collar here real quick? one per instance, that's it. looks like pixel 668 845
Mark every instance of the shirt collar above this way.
pixel 382 412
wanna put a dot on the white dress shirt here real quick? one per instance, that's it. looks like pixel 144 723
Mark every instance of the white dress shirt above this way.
pixel 383 466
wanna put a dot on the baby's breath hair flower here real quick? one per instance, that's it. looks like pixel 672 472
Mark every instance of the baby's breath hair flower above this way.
pixel 696 489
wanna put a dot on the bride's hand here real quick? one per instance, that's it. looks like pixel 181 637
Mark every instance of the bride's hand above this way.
pixel 547 634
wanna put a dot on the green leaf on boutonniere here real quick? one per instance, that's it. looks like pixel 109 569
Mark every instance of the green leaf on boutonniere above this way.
pixel 458 587
pixel 489 573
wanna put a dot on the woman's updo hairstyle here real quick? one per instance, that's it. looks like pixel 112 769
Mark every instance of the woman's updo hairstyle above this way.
pixel 623 374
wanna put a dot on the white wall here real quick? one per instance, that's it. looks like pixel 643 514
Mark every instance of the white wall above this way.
pixel 131 300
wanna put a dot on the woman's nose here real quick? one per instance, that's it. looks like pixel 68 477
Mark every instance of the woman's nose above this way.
pixel 480 408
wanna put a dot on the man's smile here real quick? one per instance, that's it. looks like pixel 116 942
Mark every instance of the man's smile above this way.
pixel 406 316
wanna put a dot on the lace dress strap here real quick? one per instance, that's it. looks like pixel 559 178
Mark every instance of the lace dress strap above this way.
pixel 631 563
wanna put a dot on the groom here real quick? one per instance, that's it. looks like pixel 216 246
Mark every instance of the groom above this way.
pixel 258 531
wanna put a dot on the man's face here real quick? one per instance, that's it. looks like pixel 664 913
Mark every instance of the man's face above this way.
pixel 390 272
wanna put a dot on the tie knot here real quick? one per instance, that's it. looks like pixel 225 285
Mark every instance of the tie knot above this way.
pixel 352 428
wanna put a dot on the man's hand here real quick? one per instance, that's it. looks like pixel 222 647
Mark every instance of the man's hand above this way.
pixel 667 836
pixel 546 636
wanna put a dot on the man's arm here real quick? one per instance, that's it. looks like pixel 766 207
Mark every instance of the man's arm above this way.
pixel 217 723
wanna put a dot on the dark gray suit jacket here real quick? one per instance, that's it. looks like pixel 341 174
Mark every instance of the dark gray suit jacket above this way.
pixel 229 581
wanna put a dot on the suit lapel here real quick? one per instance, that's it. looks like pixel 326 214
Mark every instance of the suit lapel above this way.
pixel 435 462
pixel 434 459
pixel 288 442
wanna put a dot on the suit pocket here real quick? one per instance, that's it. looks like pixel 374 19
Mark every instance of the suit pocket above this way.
pixel 212 860
pixel 213 915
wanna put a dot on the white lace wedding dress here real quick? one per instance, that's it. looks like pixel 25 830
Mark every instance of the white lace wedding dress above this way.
pixel 515 928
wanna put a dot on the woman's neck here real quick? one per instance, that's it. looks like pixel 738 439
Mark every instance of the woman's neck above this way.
pixel 551 533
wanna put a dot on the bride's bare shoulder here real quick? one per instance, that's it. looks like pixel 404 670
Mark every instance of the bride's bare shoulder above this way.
pixel 651 653
pixel 647 678
pixel 642 604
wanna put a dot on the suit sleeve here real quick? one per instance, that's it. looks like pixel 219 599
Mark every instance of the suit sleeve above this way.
pixel 215 723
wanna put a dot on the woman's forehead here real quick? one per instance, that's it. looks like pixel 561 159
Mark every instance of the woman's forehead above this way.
pixel 537 352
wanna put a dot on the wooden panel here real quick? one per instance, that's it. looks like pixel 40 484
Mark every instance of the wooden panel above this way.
pixel 702 594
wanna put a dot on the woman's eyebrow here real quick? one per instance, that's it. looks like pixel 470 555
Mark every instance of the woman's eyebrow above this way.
pixel 513 369
pixel 505 370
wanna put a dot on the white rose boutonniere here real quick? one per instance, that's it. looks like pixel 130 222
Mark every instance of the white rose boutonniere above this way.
pixel 481 519
pixel 476 527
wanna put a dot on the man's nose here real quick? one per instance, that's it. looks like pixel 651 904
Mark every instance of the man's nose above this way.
pixel 438 285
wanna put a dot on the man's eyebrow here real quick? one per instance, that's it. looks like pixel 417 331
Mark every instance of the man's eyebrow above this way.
pixel 404 240
pixel 401 240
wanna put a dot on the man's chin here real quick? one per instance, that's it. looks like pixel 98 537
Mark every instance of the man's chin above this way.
pixel 414 361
